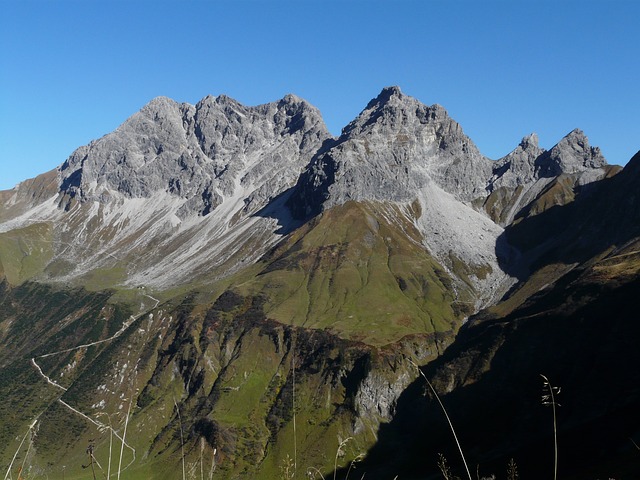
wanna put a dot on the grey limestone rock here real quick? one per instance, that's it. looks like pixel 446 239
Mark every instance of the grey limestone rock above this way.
pixel 200 153
pixel 390 152
pixel 524 174
pixel 572 154
pixel 529 163
pixel 518 167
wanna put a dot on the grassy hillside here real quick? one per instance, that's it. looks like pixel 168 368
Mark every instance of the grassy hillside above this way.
pixel 274 368
pixel 359 271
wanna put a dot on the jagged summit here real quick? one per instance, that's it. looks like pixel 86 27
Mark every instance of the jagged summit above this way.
pixel 390 91
pixel 200 153
pixel 573 154
pixel 219 165
pixel 390 152
pixel 392 109
pixel 160 103
pixel 530 141
pixel 385 96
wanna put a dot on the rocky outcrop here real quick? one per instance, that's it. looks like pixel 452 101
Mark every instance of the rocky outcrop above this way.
pixel 390 152
pixel 200 153
pixel 518 167
pixel 530 179
pixel 572 154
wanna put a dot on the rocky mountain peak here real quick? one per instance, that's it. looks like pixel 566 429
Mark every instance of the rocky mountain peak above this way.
pixel 572 154
pixel 387 95
pixel 160 103
pixel 530 141
pixel 390 152
pixel 383 111
pixel 291 99
pixel 201 154
pixel 517 167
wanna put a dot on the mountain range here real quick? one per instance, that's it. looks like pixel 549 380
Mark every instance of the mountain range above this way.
pixel 232 291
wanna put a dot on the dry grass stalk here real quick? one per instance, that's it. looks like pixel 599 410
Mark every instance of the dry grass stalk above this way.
pixel 110 448
pixel 90 453
pixel 313 471
pixel 15 455
pixel 444 410
pixel 201 452
pixel 512 470
pixel 287 468
pixel 339 453
pixel 26 455
pixel 549 393
pixel 124 435
pixel 184 476
pixel 213 463
pixel 352 465
pixel 293 401
pixel 444 468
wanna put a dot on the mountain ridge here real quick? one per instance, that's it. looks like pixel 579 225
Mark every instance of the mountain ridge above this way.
pixel 245 283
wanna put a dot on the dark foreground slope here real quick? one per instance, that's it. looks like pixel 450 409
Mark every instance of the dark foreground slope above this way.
pixel 580 331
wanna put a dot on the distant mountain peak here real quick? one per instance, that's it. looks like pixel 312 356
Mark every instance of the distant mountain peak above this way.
pixel 386 94
pixel 292 98
pixel 390 152
pixel 529 141
pixel 572 154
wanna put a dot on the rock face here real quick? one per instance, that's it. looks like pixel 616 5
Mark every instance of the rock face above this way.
pixel 140 201
pixel 390 152
pixel 518 167
pixel 201 154
pixel 184 185
pixel 572 154
pixel 529 172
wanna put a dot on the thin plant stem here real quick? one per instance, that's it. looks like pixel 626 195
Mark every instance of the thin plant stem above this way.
pixel 314 470
pixel 181 439
pixel 33 424
pixel 93 470
pixel 213 463
pixel 555 438
pixel 110 447
pixel 293 400
pixel 201 464
pixel 124 435
pixel 444 410
pixel 549 394
pixel 26 454
pixel 352 465
pixel 341 445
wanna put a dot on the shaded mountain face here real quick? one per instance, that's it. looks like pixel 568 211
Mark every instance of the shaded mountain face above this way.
pixel 253 291
pixel 579 330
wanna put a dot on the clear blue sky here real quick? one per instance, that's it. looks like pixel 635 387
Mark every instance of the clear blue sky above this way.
pixel 72 71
